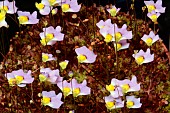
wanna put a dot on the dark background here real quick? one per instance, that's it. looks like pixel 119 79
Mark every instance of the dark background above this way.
pixel 29 5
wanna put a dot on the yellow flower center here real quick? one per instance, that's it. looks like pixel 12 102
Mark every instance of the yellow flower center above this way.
pixel 113 12
pixel 76 92
pixel 66 91
pixel 23 19
pixel 51 2
pixel 108 38
pixel 154 18
pixel 149 41
pixel 118 36
pixel 42 77
pixel 118 46
pixel 46 100
pixel 81 58
pixel 45 57
pixel 12 81
pixel 65 7
pixel 39 6
pixel 110 105
pixel 5 8
pixel 101 27
pixel 110 87
pixel 129 104
pixel 63 64
pixel 2 15
pixel 53 12
pixel 151 8
pixel 140 59
pixel 125 88
pixel 19 79
pixel 48 38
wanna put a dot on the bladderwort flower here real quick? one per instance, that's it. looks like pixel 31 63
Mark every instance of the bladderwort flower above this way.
pixel 114 88
pixel 63 64
pixel 72 111
pixel 65 87
pixel 2 18
pixel 113 10
pixel 20 78
pixel 132 102
pixel 50 36
pixel 54 2
pixel 54 11
pixel 80 89
pixel 47 57
pixel 143 57
pixel 51 99
pixel 113 103
pixel 52 76
pixel 9 7
pixel 85 55
pixel 104 24
pixel 70 6
pixel 150 39
pixel 121 45
pixel 107 33
pixel 129 85
pixel 43 7
pixel 153 16
pixel 157 7
pixel 27 18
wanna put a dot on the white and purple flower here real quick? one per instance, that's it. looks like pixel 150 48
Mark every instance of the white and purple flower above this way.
pixel 80 89
pixel 85 55
pixel 121 45
pixel 49 36
pixel 143 57
pixel 150 39
pixel 157 7
pixel 9 7
pixel 104 24
pixel 113 103
pixel 27 18
pixel 51 99
pixel 63 64
pixel 47 57
pixel 19 78
pixel 65 87
pixel 132 102
pixel 129 85
pixel 52 76
pixel 70 6
pixel 43 7
pixel 114 89
pixel 113 10
pixel 153 16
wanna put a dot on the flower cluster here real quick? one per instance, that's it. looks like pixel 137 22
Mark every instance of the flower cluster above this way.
pixel 111 32
pixel 52 76
pixel 47 6
pixel 118 88
pixel 74 88
pixel 154 9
